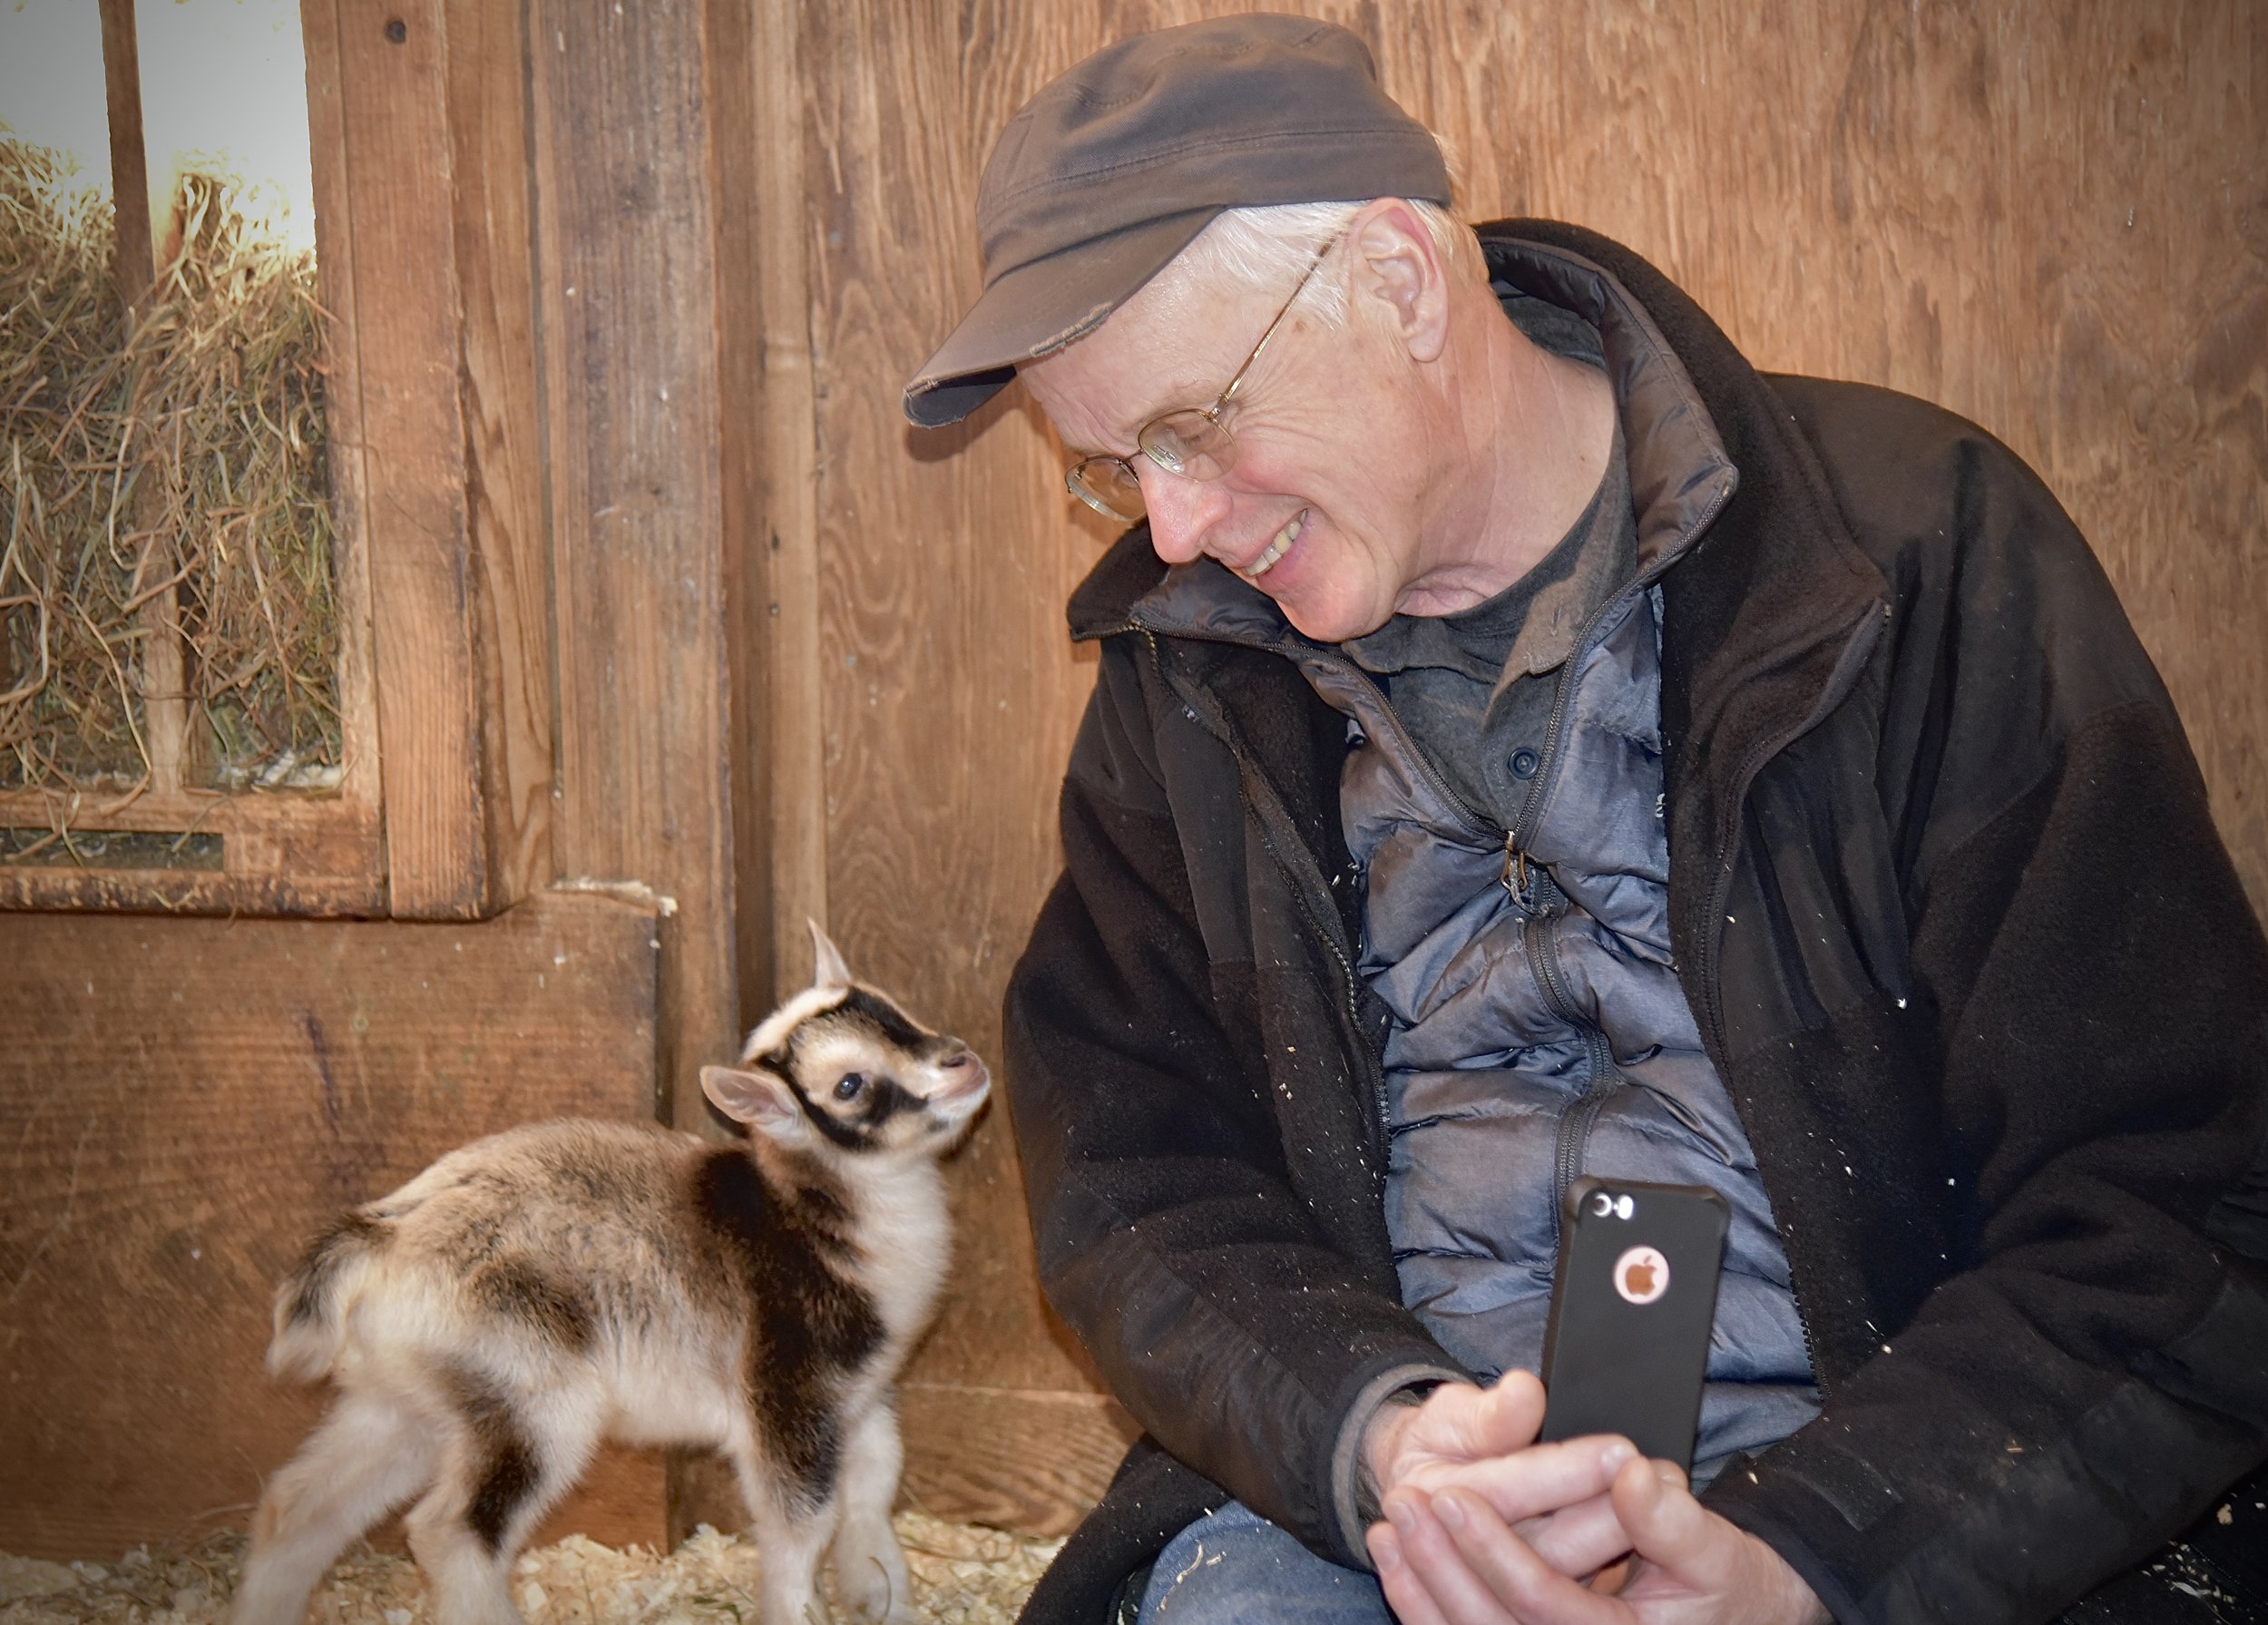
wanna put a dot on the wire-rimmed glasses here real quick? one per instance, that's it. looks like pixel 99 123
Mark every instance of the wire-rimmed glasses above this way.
pixel 1190 442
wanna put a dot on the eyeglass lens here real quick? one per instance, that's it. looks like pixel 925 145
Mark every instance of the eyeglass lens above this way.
pixel 1187 444
pixel 1107 485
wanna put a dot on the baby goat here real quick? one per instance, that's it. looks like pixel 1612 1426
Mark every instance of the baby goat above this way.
pixel 530 1293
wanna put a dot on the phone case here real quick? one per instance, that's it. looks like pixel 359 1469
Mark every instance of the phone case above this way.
pixel 1632 1303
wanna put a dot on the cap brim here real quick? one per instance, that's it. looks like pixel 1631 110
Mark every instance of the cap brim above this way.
pixel 1035 310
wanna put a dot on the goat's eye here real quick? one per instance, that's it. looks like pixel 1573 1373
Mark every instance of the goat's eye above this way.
pixel 851 1086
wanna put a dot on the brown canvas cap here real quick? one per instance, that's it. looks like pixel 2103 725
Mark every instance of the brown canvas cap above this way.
pixel 1115 167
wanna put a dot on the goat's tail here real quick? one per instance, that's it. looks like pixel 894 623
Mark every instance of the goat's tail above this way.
pixel 311 1322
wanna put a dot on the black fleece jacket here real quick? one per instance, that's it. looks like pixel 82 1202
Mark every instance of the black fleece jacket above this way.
pixel 1962 941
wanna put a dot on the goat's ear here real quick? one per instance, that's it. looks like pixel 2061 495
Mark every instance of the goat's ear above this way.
pixel 828 969
pixel 761 1100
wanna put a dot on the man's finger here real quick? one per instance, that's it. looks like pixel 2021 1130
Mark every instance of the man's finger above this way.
pixel 1458 1421
pixel 1579 1540
pixel 1459 1594
pixel 1539 1479
pixel 1405 1593
pixel 1673 1531
pixel 1526 1587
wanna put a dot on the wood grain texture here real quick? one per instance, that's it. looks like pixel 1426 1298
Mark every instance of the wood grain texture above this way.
pixel 737 64
pixel 2051 218
pixel 405 321
pixel 281 855
pixel 186 1102
pixel 361 780
pixel 628 275
pixel 786 490
pixel 1025 1459
pixel 135 255
pixel 509 581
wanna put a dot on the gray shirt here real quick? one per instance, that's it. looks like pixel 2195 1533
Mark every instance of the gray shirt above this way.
pixel 1475 689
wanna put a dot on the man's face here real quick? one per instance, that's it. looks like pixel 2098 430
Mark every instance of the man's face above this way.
pixel 1323 508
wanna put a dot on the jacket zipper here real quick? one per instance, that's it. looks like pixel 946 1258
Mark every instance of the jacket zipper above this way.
pixel 1706 949
pixel 1327 932
pixel 1538 935
pixel 1576 1120
pixel 1605 1077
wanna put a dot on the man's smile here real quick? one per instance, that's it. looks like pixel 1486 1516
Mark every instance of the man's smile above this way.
pixel 1277 548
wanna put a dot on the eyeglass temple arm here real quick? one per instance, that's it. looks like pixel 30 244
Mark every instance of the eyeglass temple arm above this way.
pixel 1212 413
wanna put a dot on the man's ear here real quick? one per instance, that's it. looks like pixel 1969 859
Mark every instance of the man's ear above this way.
pixel 828 970
pixel 760 1100
pixel 1397 263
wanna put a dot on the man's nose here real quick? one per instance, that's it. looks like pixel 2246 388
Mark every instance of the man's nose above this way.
pixel 1182 511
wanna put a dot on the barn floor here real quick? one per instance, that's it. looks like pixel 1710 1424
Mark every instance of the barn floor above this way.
pixel 961 1576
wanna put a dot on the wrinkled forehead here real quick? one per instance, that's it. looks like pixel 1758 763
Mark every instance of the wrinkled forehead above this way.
pixel 1172 346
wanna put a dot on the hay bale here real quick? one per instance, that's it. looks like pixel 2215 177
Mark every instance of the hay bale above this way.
pixel 177 448
pixel 961 1576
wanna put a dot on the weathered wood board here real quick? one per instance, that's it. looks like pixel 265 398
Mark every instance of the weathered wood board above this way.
pixel 626 262
pixel 185 1100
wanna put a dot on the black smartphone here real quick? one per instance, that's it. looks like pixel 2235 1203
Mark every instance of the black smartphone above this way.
pixel 1632 1302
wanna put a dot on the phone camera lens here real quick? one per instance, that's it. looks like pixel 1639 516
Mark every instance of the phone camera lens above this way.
pixel 1601 1204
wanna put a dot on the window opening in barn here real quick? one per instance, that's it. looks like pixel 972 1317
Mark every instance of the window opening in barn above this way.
pixel 168 611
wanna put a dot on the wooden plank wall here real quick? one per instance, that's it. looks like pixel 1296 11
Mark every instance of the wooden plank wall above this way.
pixel 187 1102
pixel 627 275
pixel 2051 216
pixel 396 259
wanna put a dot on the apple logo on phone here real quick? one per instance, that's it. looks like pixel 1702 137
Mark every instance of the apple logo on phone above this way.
pixel 1641 1274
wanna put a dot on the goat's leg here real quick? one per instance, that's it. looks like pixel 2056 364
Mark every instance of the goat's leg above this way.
pixel 368 1455
pixel 507 1465
pixel 869 1566
pixel 791 1530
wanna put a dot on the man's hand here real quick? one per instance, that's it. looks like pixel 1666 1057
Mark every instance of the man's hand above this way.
pixel 1457 1424
pixel 1452 1558
pixel 1483 1440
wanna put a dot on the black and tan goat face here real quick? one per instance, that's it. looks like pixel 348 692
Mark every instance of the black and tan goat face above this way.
pixel 841 1061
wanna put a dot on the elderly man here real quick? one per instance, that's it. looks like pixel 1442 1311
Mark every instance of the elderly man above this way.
pixel 1528 741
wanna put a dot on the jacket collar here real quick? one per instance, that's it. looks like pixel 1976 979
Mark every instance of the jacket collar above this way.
pixel 1767 619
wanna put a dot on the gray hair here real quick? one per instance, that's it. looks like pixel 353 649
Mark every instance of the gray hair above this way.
pixel 1268 248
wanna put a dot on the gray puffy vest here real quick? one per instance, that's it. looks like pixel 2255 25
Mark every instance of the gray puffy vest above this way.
pixel 1539 1031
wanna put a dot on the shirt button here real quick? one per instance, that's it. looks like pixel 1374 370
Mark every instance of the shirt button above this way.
pixel 1525 763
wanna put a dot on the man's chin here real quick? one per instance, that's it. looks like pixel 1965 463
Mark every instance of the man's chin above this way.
pixel 1330 623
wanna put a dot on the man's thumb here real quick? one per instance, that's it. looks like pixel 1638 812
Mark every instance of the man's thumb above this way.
pixel 1507 1414
pixel 1667 1525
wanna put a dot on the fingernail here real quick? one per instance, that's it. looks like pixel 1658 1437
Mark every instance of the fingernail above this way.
pixel 1387 1555
pixel 1668 1473
pixel 1398 1511
pixel 1449 1510
pixel 1617 1454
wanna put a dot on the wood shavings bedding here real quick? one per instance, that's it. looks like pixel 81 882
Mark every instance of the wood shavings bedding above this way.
pixel 961 1576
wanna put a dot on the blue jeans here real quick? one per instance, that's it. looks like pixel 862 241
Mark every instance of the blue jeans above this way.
pixel 1233 1567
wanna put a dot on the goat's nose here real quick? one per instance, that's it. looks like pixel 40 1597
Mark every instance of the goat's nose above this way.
pixel 963 1075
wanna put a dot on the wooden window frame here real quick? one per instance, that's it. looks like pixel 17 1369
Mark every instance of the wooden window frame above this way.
pixel 432 421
